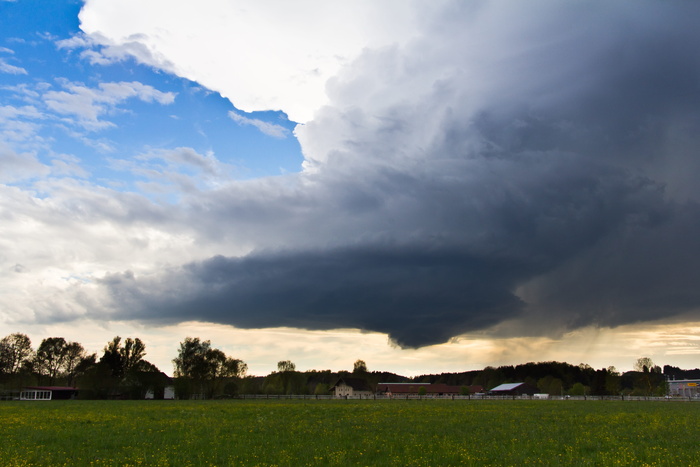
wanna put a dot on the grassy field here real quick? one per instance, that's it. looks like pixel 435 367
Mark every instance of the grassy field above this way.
pixel 429 433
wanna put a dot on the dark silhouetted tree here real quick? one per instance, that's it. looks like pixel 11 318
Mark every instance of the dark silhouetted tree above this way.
pixel 15 353
pixel 132 354
pixel 613 381
pixel 50 358
pixel 130 376
pixel 201 369
pixel 359 367
pixel 286 380
pixel 286 365
pixel 112 357
pixel 122 358
pixel 74 354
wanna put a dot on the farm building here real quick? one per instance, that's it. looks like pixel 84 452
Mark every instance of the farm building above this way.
pixel 167 393
pixel 351 387
pixel 437 389
pixel 160 385
pixel 47 393
pixel 513 389
pixel 684 388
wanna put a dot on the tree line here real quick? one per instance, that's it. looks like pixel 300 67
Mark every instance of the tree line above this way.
pixel 558 378
pixel 121 370
pixel 202 371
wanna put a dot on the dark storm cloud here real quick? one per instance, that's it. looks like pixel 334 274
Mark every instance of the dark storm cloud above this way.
pixel 416 295
pixel 638 273
pixel 433 283
pixel 523 162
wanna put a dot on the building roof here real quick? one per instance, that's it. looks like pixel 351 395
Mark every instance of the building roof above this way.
pixel 402 388
pixel 357 384
pixel 413 388
pixel 514 389
pixel 507 386
pixel 51 388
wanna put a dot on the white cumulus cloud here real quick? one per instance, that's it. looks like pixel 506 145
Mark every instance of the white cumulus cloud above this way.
pixel 270 129
pixel 11 69
pixel 89 104
pixel 15 167
pixel 270 55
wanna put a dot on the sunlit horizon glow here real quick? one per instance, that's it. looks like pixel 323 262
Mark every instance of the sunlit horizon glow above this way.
pixel 666 344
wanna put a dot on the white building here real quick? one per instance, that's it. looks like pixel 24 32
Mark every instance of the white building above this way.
pixel 47 393
pixel 684 387
pixel 352 387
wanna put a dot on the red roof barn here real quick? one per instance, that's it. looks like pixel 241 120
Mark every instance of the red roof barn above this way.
pixel 437 389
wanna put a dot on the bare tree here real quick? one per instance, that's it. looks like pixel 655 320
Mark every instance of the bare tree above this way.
pixel 643 364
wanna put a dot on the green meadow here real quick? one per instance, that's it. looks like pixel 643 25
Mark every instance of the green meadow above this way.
pixel 349 432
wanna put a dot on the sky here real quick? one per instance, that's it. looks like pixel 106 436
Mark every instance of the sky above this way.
pixel 430 186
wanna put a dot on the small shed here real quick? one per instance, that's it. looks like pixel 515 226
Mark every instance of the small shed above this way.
pixel 47 393
pixel 351 387
pixel 513 389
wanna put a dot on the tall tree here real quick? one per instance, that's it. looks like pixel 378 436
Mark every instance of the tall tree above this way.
pixel 359 367
pixel 191 359
pixel 643 362
pixel 287 380
pixel 74 354
pixel 123 358
pixel 112 357
pixel 203 369
pixel 132 354
pixel 221 368
pixel 612 381
pixel 15 352
pixel 50 357
pixel 129 374
pixel 649 380
pixel 86 363
pixel 232 368
pixel 286 365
